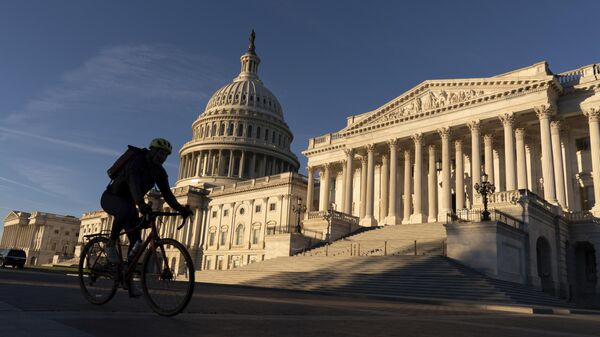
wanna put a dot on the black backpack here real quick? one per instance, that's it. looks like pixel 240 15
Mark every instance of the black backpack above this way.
pixel 119 164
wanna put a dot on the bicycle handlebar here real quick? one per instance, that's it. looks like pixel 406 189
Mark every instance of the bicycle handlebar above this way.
pixel 155 214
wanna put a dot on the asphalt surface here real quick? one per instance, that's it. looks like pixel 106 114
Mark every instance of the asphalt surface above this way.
pixel 34 303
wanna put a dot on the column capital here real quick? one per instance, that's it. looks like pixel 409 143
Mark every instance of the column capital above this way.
pixel 488 137
pixel 349 152
pixel 555 126
pixel 458 143
pixel 417 138
pixel 309 168
pixel 593 114
pixel 370 147
pixel 544 111
pixel 520 133
pixel 431 147
pixel 444 132
pixel 507 119
pixel 393 142
pixel 363 159
pixel 474 125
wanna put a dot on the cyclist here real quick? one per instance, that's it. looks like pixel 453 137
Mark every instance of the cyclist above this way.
pixel 139 174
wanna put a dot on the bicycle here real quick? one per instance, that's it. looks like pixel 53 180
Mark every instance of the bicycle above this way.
pixel 167 270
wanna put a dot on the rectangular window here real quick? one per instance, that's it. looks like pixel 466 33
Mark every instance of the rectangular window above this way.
pixel 211 239
pixel 226 212
pixel 257 209
pixel 214 214
pixel 272 207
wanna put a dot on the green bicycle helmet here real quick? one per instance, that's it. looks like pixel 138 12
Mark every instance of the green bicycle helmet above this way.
pixel 161 143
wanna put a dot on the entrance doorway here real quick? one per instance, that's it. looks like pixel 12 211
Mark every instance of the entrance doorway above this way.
pixel 544 264
pixel 586 276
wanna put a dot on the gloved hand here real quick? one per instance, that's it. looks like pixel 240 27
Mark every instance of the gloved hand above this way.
pixel 186 211
pixel 145 209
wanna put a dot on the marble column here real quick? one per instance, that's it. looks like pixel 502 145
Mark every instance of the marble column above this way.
pixel 385 186
pixel 369 220
pixel 460 175
pixel 474 126
pixel 363 187
pixel 241 166
pixel 593 115
pixel 417 216
pixel 488 140
pixel 220 164
pixel 407 195
pixel 348 188
pixel 544 112
pixel 309 190
pixel 432 186
pixel 252 168
pixel 557 159
pixel 325 178
pixel 507 120
pixel 446 200
pixel 521 159
pixel 569 161
pixel 392 214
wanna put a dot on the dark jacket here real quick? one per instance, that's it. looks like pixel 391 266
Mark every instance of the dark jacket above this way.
pixel 138 176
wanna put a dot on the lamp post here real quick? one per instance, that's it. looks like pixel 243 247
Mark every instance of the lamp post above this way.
pixel 299 209
pixel 484 189
pixel 328 216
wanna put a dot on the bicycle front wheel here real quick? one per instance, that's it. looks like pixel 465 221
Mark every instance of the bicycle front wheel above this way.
pixel 96 278
pixel 168 277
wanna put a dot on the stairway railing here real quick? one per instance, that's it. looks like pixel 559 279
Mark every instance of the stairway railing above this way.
pixel 380 248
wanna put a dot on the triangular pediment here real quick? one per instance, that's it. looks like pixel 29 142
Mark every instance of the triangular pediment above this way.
pixel 433 96
pixel 14 215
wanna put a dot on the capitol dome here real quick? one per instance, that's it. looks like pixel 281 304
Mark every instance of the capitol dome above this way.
pixel 240 135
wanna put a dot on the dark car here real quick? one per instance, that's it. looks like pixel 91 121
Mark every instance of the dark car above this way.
pixel 12 257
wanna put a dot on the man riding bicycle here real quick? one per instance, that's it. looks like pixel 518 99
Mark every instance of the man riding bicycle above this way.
pixel 138 175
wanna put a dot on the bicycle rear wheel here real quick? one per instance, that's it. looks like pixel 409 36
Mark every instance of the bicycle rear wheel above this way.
pixel 96 278
pixel 168 277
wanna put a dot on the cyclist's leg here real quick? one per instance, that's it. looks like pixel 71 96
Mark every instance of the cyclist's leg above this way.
pixel 123 211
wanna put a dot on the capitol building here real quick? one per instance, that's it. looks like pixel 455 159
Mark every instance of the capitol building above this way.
pixel 413 162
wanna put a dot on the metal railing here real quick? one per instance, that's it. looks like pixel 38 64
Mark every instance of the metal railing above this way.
pixel 380 248
pixel 470 215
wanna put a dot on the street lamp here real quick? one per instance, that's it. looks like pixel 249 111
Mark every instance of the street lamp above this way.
pixel 484 189
pixel 299 209
pixel 329 217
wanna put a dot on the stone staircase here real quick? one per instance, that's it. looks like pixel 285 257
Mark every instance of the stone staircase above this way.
pixel 386 262
pixel 425 276
pixel 413 239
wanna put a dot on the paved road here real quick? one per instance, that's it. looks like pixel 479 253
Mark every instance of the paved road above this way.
pixel 40 304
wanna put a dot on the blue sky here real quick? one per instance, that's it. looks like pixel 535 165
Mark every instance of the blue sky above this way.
pixel 79 80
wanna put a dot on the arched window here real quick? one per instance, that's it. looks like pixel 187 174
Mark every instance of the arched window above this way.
pixel 222 131
pixel 230 130
pixel 249 132
pixel 258 132
pixel 214 130
pixel 266 134
pixel 239 234
pixel 240 130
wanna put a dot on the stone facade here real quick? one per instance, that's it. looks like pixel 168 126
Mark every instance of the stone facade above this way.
pixel 45 237
pixel 416 159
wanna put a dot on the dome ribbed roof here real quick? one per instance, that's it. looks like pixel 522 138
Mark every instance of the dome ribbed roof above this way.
pixel 245 92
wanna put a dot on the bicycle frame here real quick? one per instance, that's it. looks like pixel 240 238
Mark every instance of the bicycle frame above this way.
pixel 152 238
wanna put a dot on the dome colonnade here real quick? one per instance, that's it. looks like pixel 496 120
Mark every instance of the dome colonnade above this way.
pixel 240 135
